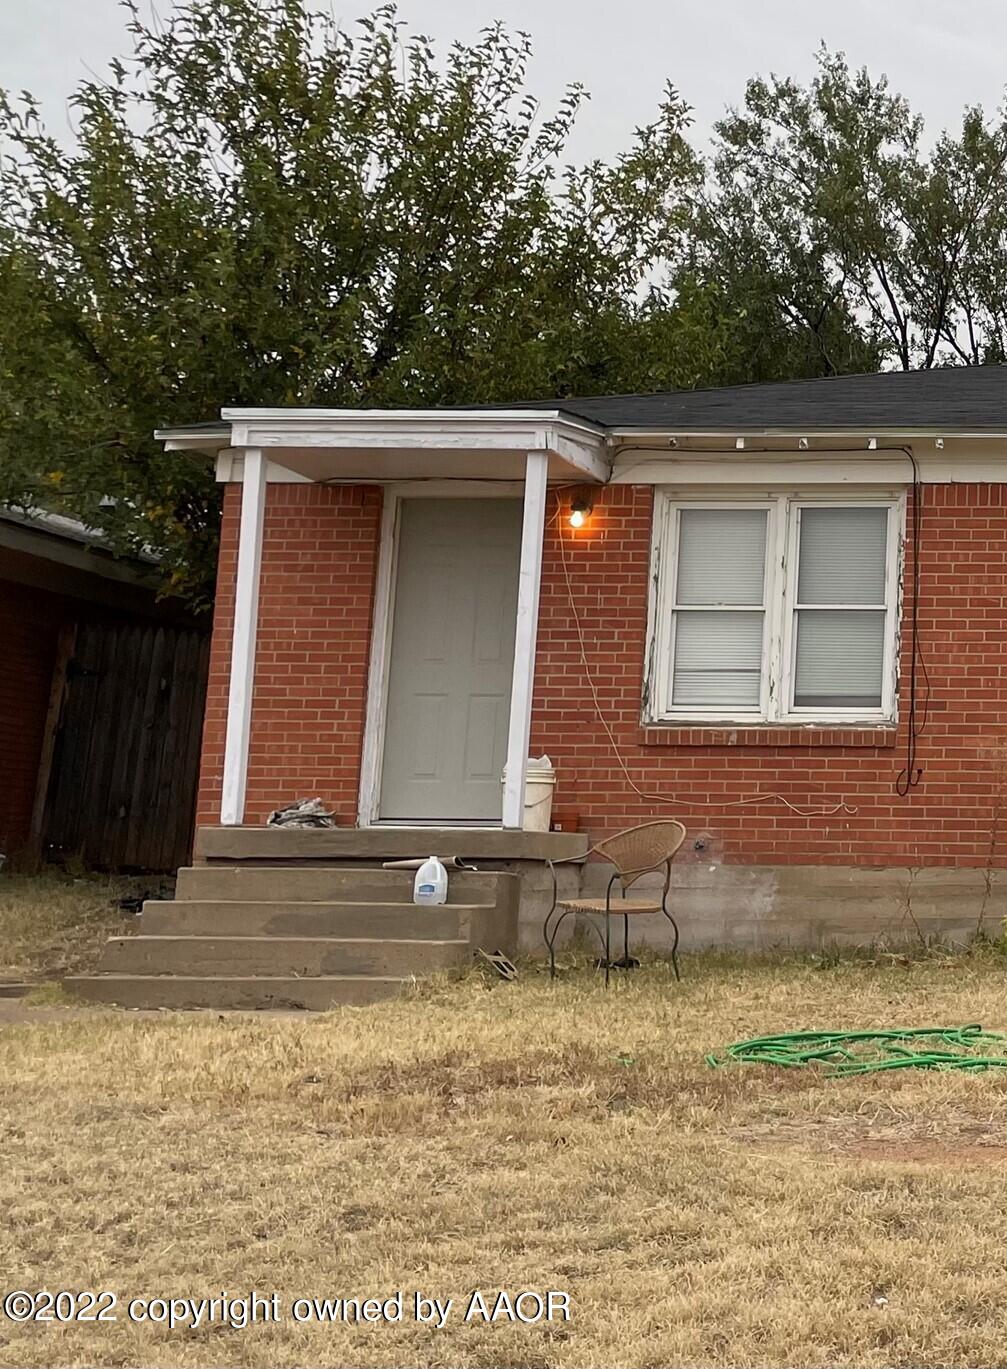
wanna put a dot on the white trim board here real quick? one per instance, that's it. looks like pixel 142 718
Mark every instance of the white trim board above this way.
pixel 230 470
pixel 766 471
pixel 456 489
pixel 886 437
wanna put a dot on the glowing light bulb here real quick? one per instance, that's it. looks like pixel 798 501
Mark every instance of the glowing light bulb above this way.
pixel 577 517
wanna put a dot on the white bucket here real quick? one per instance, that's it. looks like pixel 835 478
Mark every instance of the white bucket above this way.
pixel 540 781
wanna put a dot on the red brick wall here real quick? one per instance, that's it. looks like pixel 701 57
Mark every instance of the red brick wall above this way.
pixel 319 556
pixel 947 820
pixel 318 571
pixel 29 623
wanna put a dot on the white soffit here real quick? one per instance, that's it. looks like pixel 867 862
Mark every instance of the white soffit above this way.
pixel 820 463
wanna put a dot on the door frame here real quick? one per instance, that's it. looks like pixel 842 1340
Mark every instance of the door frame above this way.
pixel 372 753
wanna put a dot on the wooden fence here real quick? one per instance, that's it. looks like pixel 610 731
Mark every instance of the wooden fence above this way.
pixel 125 750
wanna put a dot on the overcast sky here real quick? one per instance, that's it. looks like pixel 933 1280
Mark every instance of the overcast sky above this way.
pixel 941 55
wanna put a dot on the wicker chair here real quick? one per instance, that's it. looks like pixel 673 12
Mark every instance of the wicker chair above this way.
pixel 636 852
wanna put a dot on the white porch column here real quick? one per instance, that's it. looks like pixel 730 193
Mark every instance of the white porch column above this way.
pixel 246 613
pixel 525 636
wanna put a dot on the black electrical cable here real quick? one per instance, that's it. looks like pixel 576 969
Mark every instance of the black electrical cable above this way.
pixel 911 773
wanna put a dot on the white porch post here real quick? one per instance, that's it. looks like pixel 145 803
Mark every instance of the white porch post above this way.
pixel 526 633
pixel 246 612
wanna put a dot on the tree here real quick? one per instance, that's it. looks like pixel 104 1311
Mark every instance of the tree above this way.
pixel 825 212
pixel 260 208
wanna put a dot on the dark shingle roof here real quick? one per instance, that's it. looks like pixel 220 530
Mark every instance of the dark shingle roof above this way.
pixel 967 398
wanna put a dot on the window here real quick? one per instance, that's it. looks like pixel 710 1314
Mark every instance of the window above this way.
pixel 778 609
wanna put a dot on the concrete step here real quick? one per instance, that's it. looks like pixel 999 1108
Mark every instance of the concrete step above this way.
pixel 400 921
pixel 385 843
pixel 268 956
pixel 232 991
pixel 324 884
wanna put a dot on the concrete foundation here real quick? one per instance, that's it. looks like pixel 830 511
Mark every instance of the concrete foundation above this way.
pixel 759 907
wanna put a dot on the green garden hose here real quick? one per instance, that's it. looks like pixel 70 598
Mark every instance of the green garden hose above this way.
pixel 869 1052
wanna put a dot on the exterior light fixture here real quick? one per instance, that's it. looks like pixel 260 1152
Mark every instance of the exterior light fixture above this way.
pixel 673 442
pixel 872 444
pixel 739 443
pixel 579 510
pixel 802 443
pixel 939 443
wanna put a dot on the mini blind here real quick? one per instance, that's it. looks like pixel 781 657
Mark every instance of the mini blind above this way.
pixel 842 556
pixel 721 556
pixel 839 653
pixel 718 643
pixel 718 658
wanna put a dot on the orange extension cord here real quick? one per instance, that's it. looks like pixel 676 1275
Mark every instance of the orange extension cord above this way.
pixel 841 807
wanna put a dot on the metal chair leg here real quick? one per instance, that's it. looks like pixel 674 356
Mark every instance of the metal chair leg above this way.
pixel 674 946
pixel 550 941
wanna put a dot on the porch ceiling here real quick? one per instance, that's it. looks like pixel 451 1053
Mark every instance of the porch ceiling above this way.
pixel 338 465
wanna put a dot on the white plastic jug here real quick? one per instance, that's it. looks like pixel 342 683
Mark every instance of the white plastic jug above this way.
pixel 431 882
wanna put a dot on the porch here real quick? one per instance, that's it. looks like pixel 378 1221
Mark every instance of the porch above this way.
pixel 452 612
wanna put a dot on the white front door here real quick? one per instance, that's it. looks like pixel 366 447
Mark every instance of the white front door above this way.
pixel 451 659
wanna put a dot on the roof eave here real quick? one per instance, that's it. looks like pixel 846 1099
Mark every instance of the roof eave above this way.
pixel 861 430
pixel 210 438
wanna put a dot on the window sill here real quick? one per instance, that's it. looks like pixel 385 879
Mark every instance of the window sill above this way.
pixel 768 734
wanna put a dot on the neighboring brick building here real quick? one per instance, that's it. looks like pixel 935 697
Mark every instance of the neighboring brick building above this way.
pixel 66 703
pixel 780 619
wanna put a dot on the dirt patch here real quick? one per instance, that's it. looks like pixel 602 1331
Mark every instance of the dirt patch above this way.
pixel 940 1135
pixel 15 1012
pixel 942 1153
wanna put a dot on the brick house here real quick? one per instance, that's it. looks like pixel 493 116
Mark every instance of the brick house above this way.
pixel 773 611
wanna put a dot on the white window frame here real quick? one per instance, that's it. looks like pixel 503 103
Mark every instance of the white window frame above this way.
pixel 780 601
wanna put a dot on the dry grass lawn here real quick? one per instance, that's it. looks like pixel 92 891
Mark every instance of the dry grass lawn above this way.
pixel 53 924
pixel 515 1137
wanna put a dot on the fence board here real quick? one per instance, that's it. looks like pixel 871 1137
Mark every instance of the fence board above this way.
pixel 126 759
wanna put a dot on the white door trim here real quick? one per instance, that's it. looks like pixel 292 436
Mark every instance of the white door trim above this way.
pixel 372 753
pixel 243 637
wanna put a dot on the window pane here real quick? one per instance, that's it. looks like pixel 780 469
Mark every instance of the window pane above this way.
pixel 721 556
pixel 718 659
pixel 842 556
pixel 840 654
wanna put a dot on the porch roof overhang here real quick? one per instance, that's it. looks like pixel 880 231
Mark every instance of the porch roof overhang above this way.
pixel 391 445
